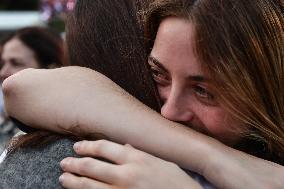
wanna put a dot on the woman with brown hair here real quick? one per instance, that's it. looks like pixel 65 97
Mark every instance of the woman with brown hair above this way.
pixel 31 47
pixel 225 80
pixel 33 159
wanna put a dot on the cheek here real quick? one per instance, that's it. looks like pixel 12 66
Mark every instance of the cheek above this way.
pixel 13 69
pixel 29 61
pixel 221 125
pixel 32 64
pixel 16 69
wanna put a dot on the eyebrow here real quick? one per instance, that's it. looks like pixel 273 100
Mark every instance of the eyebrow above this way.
pixel 197 78
pixel 157 63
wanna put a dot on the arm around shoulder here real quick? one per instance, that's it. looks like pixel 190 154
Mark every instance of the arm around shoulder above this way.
pixel 46 99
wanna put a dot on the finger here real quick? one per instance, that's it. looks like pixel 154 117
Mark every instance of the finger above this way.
pixel 70 181
pixel 92 168
pixel 114 152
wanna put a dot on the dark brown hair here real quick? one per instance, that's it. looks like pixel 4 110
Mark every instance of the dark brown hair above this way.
pixel 105 36
pixel 46 44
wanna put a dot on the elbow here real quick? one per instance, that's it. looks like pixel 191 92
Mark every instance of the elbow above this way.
pixel 15 82
pixel 8 86
pixel 11 88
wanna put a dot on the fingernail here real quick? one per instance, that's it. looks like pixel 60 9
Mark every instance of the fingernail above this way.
pixel 61 179
pixel 77 146
pixel 63 163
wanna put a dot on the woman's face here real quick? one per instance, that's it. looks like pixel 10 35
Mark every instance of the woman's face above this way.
pixel 185 89
pixel 15 57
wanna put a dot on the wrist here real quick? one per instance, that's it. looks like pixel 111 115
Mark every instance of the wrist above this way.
pixel 219 165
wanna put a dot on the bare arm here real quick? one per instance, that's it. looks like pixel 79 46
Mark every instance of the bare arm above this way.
pixel 85 102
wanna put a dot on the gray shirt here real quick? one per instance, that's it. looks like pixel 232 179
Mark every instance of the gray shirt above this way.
pixel 30 168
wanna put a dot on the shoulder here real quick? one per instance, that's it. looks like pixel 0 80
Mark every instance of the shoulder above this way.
pixel 35 167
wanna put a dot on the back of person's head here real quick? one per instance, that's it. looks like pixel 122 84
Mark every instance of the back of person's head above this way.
pixel 105 36
pixel 46 44
pixel 240 44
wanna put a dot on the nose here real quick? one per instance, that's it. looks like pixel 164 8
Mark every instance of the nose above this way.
pixel 5 72
pixel 176 106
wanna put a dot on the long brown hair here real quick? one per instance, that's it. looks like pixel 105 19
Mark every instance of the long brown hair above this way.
pixel 105 36
pixel 240 44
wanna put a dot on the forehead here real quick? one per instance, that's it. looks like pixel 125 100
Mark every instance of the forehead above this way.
pixel 16 48
pixel 174 46
pixel 173 30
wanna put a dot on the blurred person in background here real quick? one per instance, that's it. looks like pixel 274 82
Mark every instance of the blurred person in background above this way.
pixel 1 93
pixel 30 47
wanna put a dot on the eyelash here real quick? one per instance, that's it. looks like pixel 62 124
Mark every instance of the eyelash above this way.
pixel 16 64
pixel 204 95
pixel 159 75
pixel 162 79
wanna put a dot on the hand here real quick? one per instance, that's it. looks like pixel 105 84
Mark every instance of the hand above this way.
pixel 132 169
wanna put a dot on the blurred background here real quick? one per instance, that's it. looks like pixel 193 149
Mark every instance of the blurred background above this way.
pixel 16 14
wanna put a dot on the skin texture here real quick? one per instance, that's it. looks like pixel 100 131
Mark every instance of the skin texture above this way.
pixel 221 166
pixel 184 101
pixel 16 56
pixel 184 86
pixel 130 164
pixel 135 124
